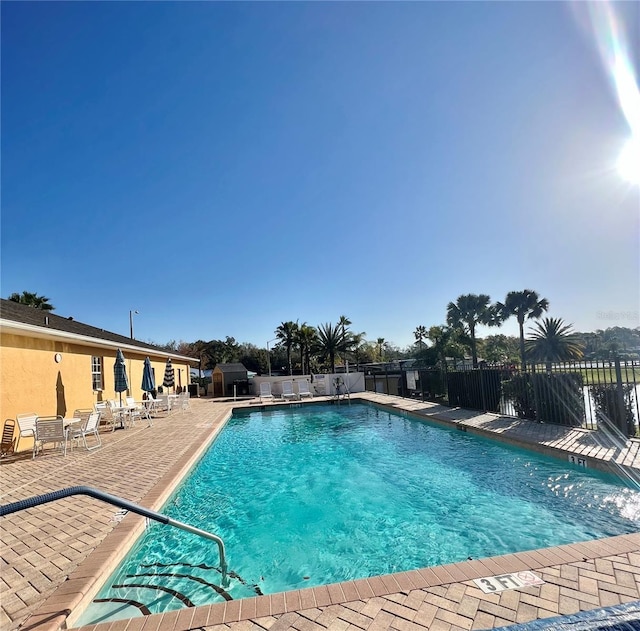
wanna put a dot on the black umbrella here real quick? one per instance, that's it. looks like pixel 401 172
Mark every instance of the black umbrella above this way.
pixel 169 380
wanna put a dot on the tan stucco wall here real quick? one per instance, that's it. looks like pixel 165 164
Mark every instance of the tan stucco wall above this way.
pixel 32 381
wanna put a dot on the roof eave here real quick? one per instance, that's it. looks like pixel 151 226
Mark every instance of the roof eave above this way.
pixel 30 330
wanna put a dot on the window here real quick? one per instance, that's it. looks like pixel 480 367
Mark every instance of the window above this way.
pixel 96 373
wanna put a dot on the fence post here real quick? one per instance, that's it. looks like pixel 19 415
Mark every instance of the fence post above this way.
pixel 482 392
pixel 621 420
pixel 386 380
pixel 536 398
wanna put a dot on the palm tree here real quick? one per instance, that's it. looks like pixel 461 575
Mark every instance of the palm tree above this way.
pixel 286 334
pixel 420 333
pixel 330 341
pixel 344 323
pixel 380 342
pixel 525 304
pixel 467 312
pixel 32 300
pixel 357 340
pixel 306 338
pixel 553 341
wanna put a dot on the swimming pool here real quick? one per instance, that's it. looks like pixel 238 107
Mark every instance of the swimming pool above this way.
pixel 318 494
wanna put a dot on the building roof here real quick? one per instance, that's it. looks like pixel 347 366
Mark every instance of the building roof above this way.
pixel 237 367
pixel 38 320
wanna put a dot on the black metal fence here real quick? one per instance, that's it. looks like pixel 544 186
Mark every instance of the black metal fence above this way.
pixel 579 394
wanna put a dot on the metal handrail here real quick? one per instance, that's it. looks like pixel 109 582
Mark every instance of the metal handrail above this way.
pixel 8 509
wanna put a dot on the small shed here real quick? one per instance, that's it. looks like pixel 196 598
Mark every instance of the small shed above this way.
pixel 225 376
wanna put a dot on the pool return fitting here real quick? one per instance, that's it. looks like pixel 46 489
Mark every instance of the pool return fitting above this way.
pixel 31 502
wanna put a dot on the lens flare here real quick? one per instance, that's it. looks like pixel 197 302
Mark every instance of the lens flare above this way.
pixel 629 161
pixel 607 28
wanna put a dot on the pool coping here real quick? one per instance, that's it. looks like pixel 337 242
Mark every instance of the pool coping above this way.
pixel 66 604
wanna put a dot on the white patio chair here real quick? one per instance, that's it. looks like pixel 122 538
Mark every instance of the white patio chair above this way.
pixel 265 391
pixel 49 429
pixel 106 415
pixel 152 406
pixel 162 402
pixel 85 428
pixel 287 391
pixel 183 401
pixel 136 411
pixel 82 414
pixel 26 426
pixel 118 412
pixel 303 389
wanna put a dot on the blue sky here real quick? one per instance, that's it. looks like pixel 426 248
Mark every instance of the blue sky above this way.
pixel 224 167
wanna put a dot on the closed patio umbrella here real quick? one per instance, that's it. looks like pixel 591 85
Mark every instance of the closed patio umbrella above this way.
pixel 169 380
pixel 120 375
pixel 148 381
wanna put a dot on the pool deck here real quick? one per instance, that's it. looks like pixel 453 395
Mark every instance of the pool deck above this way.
pixel 53 557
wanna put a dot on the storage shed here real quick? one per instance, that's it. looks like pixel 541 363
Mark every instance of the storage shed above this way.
pixel 225 376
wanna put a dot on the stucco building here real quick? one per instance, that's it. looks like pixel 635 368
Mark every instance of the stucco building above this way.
pixel 50 364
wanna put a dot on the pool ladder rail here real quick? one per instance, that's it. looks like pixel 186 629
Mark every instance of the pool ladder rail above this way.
pixel 38 500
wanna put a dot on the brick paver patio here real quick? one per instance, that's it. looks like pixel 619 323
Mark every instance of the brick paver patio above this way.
pixel 52 556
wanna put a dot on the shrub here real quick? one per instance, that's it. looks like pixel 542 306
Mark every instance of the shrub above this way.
pixel 547 397
pixel 605 396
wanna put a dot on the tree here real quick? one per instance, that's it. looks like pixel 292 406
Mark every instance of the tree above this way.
pixel 357 344
pixel 501 348
pixel 331 341
pixel 306 338
pixel 32 300
pixel 420 334
pixel 220 352
pixel 446 343
pixel 553 341
pixel 525 304
pixel 380 342
pixel 343 323
pixel 467 312
pixel 286 334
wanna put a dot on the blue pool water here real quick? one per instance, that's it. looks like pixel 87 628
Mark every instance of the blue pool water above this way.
pixel 317 494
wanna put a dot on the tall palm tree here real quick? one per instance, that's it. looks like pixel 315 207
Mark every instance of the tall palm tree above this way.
pixel 553 341
pixel 305 339
pixel 344 323
pixel 32 299
pixel 467 312
pixel 330 342
pixel 286 334
pixel 420 334
pixel 525 304
pixel 380 342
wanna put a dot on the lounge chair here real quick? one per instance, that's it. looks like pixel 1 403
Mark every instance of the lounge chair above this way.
pixel 26 426
pixel 303 389
pixel 265 391
pixel 287 391
pixel 86 428
pixel 49 429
